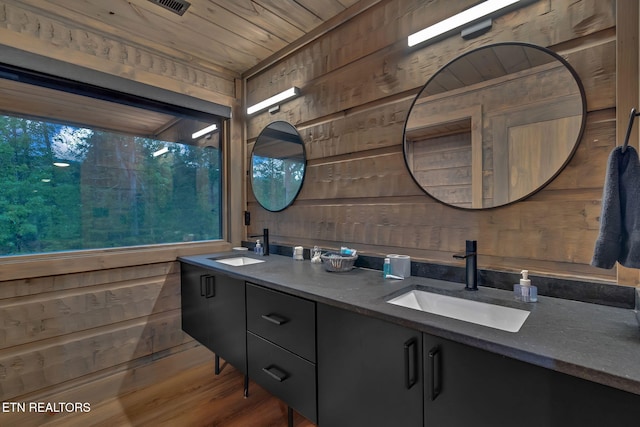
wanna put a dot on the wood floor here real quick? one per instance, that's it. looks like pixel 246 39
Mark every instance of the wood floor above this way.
pixel 196 397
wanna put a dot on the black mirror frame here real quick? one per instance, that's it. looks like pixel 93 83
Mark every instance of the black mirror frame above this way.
pixel 564 62
pixel 304 154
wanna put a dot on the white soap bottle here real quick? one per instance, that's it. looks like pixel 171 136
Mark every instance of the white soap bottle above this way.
pixel 258 249
pixel 524 291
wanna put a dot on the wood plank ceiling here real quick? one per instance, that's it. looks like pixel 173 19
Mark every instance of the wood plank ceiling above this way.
pixel 233 35
pixel 226 36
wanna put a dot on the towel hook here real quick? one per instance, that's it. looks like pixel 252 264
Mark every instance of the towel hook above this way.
pixel 632 116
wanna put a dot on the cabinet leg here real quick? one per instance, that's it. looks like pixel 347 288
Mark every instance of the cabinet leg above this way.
pixel 216 368
pixel 246 386
pixel 289 416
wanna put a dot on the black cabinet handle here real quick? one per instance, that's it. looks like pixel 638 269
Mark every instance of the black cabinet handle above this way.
pixel 210 286
pixel 435 368
pixel 411 362
pixel 275 319
pixel 275 373
pixel 203 285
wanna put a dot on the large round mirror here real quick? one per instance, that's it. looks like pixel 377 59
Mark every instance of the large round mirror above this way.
pixel 494 125
pixel 278 164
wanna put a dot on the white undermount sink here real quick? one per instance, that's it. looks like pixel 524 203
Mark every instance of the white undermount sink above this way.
pixel 239 261
pixel 481 313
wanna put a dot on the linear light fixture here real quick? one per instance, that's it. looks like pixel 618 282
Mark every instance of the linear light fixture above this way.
pixel 289 93
pixel 489 8
pixel 160 152
pixel 204 131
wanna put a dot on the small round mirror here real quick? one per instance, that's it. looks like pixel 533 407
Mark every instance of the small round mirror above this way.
pixel 494 125
pixel 278 163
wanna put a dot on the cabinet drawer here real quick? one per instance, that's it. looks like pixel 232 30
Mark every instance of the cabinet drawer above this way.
pixel 283 319
pixel 285 375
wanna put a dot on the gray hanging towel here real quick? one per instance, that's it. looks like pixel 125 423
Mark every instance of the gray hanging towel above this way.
pixel 619 237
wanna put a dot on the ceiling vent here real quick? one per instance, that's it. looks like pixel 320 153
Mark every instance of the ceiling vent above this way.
pixel 178 7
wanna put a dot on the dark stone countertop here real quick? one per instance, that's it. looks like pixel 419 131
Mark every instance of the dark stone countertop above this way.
pixel 595 342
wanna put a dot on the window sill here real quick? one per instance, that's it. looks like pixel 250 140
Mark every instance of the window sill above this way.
pixel 29 266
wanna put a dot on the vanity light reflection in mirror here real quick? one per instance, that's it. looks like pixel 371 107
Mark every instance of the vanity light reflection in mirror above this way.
pixel 494 125
pixel 278 164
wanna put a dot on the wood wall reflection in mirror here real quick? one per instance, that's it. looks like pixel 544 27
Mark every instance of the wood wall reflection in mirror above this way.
pixel 278 164
pixel 494 125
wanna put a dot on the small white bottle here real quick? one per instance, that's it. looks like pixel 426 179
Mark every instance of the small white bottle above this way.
pixel 316 257
pixel 258 249
pixel 524 291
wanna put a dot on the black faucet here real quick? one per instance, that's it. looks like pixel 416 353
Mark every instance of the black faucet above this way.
pixel 265 240
pixel 471 256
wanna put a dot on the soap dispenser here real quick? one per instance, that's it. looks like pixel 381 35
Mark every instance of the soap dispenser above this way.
pixel 258 248
pixel 523 291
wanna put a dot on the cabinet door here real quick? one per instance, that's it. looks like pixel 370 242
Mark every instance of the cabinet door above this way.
pixel 195 292
pixel 213 313
pixel 227 324
pixel 467 386
pixel 369 371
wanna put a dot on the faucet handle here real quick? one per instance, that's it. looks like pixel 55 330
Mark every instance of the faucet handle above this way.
pixel 471 248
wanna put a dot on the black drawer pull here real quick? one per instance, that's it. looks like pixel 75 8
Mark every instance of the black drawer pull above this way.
pixel 275 373
pixel 275 319
pixel 436 372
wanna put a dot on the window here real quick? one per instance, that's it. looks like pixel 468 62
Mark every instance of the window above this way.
pixel 84 173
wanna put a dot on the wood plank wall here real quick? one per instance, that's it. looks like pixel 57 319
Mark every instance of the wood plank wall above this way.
pixel 94 333
pixel 357 83
pixel 89 326
pixel 60 328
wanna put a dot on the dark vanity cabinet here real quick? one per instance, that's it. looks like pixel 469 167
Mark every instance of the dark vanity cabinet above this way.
pixel 369 371
pixel 338 367
pixel 375 373
pixel 467 386
pixel 213 313
pixel 281 345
